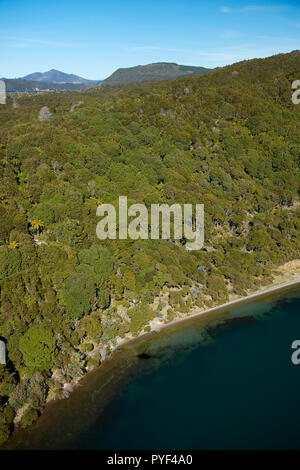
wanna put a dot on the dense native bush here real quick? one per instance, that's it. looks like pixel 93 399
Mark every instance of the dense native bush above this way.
pixel 38 347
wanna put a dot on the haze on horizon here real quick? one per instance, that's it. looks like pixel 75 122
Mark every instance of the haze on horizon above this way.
pixel 94 38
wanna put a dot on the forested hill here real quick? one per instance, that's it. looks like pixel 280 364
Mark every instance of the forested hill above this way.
pixel 56 80
pixel 229 139
pixel 158 71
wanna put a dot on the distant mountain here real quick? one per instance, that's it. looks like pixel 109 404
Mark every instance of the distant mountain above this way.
pixel 157 71
pixel 55 76
pixel 19 84
pixel 56 80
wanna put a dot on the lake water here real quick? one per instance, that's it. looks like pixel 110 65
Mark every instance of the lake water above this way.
pixel 224 381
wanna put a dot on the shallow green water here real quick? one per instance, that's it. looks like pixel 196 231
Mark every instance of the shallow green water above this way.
pixel 229 386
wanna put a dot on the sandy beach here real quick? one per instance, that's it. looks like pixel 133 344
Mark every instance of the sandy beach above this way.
pixel 290 277
pixel 255 294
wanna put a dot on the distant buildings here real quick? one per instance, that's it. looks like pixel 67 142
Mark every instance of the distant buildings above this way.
pixel 2 352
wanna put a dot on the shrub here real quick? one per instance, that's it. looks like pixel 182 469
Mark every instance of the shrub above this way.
pixel 29 417
pixel 37 346
pixel 4 433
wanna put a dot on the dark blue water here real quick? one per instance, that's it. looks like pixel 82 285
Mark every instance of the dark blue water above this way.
pixel 238 390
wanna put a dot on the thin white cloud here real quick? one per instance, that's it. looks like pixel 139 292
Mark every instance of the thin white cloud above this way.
pixel 230 33
pixel 225 10
pixel 26 42
pixel 145 48
pixel 154 48
pixel 236 53
pixel 253 8
pixel 294 24
pixel 258 8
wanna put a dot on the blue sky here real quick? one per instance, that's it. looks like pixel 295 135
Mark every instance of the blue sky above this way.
pixel 93 38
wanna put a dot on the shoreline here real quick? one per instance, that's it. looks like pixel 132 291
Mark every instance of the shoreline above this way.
pixel 161 326
pixel 157 326
pixel 255 294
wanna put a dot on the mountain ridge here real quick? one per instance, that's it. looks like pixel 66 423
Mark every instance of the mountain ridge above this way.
pixel 56 76
pixel 54 79
pixel 154 71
